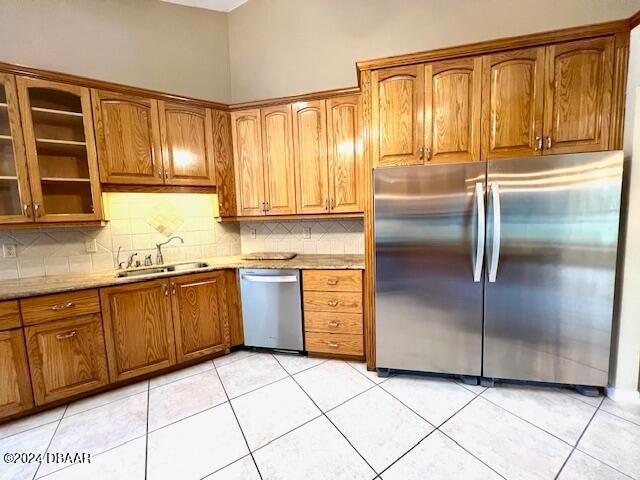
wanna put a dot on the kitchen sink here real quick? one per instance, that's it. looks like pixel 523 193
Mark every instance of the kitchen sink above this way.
pixel 179 267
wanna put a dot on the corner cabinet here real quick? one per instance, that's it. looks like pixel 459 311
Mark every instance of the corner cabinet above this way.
pixel 223 156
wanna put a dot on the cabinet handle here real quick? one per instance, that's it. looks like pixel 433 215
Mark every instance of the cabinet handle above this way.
pixel 333 344
pixel 36 207
pixel 538 144
pixel 166 173
pixel 264 207
pixel 420 152
pixel 326 204
pixel 64 336
pixel 331 205
pixel 548 142
pixel 26 208
pixel 160 174
pixel 173 288
pixel 165 289
pixel 267 207
pixel 332 303
pixel 428 153
pixel 62 306
pixel 334 323
pixel 332 281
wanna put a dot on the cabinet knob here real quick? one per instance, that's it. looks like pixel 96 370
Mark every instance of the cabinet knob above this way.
pixel 420 152
pixel 428 153
pixel 538 144
pixel 549 142
pixel 36 208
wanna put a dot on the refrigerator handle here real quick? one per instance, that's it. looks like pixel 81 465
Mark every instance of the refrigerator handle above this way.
pixel 495 247
pixel 477 268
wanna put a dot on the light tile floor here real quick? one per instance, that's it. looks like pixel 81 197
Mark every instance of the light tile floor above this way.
pixel 252 416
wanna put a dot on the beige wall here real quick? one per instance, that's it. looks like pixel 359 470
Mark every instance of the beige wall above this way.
pixel 145 43
pixel 286 47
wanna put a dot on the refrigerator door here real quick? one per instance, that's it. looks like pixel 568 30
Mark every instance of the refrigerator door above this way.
pixel 552 235
pixel 429 236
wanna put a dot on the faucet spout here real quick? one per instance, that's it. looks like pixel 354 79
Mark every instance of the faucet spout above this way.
pixel 159 257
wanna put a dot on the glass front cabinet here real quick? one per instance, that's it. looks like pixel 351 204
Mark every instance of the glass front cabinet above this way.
pixel 48 165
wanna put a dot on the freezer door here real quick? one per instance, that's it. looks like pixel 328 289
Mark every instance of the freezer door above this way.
pixel 429 236
pixel 552 235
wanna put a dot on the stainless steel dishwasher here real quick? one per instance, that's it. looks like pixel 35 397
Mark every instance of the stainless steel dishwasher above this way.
pixel 271 308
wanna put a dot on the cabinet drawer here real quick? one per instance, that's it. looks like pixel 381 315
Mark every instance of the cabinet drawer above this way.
pixel 345 302
pixel 66 357
pixel 61 305
pixel 330 322
pixel 334 343
pixel 332 280
pixel 9 315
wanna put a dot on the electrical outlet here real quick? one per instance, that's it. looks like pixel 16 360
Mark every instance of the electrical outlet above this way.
pixel 306 232
pixel 91 246
pixel 9 250
pixel 252 232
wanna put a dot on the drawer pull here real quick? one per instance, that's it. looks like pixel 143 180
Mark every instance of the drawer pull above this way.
pixel 332 281
pixel 62 306
pixel 64 336
pixel 334 323
pixel 332 303
pixel 333 344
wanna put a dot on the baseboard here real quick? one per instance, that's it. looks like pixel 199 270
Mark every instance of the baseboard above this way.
pixel 623 395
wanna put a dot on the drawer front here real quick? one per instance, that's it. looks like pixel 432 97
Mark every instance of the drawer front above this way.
pixel 334 343
pixel 345 302
pixel 61 305
pixel 66 357
pixel 9 315
pixel 330 322
pixel 332 280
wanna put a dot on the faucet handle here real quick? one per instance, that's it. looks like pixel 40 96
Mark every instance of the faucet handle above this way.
pixel 147 261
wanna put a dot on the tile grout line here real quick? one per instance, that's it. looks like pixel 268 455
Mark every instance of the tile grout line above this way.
pixel 50 441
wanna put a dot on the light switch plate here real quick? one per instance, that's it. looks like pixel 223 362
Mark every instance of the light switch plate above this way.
pixel 91 246
pixel 252 232
pixel 306 232
pixel 9 250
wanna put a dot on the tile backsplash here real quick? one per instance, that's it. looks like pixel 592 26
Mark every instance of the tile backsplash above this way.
pixel 59 251
pixel 309 236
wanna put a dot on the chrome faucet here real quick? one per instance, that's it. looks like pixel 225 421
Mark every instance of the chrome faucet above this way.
pixel 159 258
pixel 130 259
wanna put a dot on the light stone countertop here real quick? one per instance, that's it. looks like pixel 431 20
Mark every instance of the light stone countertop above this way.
pixel 29 287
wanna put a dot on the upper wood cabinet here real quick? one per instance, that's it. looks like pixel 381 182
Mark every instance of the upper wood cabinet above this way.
pixel 310 150
pixel 277 152
pixel 513 101
pixel 128 138
pixel 15 193
pixel 200 318
pixel 578 86
pixel 138 328
pixel 397 111
pixel 187 142
pixel 223 155
pixel 249 168
pixel 61 154
pixel 15 384
pixel 452 106
pixel 346 171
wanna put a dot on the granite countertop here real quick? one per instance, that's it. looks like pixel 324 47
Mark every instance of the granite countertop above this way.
pixel 29 287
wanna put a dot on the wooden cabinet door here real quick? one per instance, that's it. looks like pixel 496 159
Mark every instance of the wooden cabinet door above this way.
pixel 223 156
pixel 346 169
pixel 452 103
pixel 15 383
pixel 512 103
pixel 397 111
pixel 234 308
pixel 187 144
pixel 578 85
pixel 277 151
pixel 15 193
pixel 200 319
pixel 61 152
pixel 128 138
pixel 247 154
pixel 66 357
pixel 310 150
pixel 138 328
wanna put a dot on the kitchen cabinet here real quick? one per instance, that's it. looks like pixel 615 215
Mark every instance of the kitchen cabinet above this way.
pixel 249 168
pixel 138 328
pixel 60 149
pixel 452 104
pixel 200 316
pixel 15 193
pixel 66 357
pixel 15 384
pixel 234 309
pixel 578 86
pixel 128 138
pixel 277 152
pixel 310 150
pixel 57 306
pixel 397 112
pixel 187 141
pixel 223 155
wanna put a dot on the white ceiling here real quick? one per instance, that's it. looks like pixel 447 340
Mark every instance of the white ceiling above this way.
pixel 217 5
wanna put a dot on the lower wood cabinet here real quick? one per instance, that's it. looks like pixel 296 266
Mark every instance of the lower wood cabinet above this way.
pixel 200 317
pixel 15 384
pixel 66 357
pixel 138 328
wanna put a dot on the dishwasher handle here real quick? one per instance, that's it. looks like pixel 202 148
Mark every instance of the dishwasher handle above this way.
pixel 270 278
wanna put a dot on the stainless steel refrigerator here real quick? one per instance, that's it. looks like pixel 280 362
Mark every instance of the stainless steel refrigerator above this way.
pixel 503 269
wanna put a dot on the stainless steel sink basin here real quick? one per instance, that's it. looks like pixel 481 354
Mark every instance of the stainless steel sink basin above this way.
pixel 179 267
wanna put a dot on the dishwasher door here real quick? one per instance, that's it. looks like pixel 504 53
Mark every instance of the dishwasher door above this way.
pixel 271 308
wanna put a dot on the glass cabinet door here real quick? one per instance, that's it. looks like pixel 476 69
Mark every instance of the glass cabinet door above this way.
pixel 61 153
pixel 15 197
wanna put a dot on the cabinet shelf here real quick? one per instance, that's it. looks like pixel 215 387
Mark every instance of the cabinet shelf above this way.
pixel 5 137
pixel 3 105
pixel 64 179
pixel 56 112
pixel 60 142
pixel 8 177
